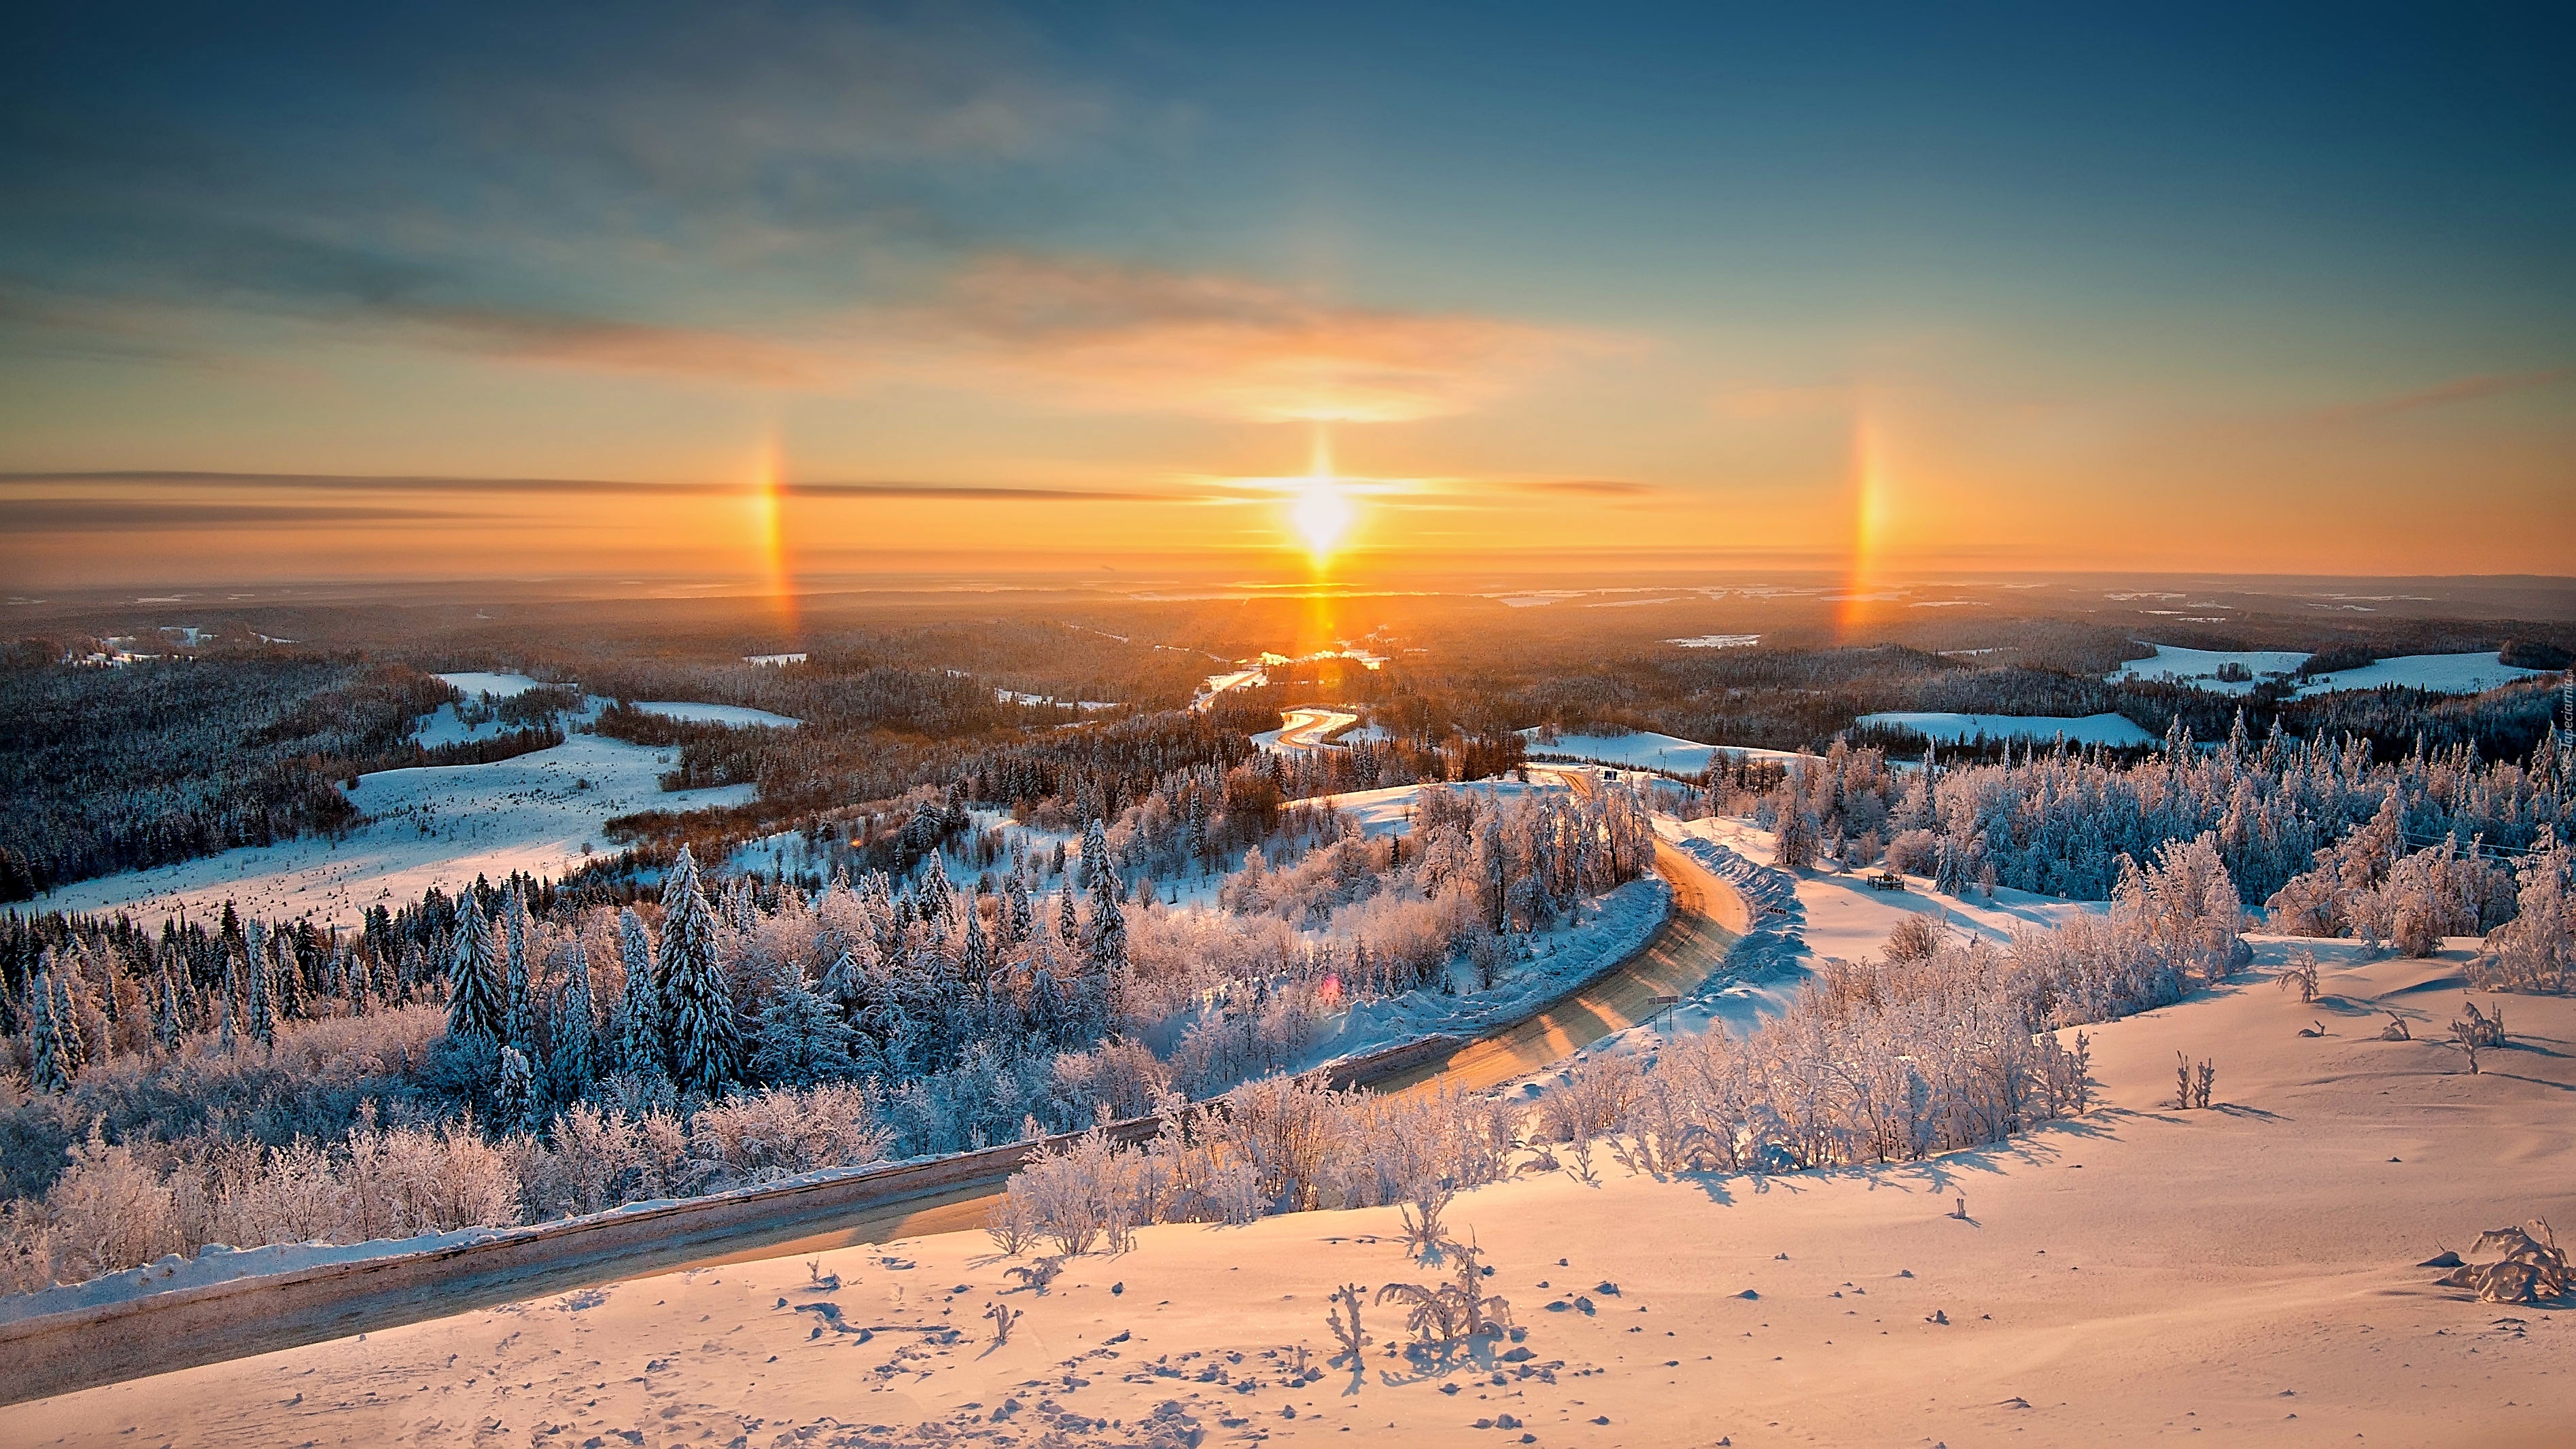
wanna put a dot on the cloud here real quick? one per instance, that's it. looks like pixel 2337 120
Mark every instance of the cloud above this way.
pixel 128 515
pixel 1585 487
pixel 365 483
pixel 2466 389
pixel 1101 335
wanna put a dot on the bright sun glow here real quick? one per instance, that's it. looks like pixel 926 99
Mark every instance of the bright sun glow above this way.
pixel 1322 513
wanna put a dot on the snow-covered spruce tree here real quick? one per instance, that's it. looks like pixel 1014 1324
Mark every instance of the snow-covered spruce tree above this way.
pixel 259 1007
pixel 227 1028
pixel 573 1063
pixel 518 1015
pixel 643 1027
pixel 1104 939
pixel 706 1046
pixel 515 1103
pixel 473 981
pixel 48 1067
pixel 801 1039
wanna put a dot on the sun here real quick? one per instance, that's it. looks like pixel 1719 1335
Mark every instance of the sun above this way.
pixel 1322 512
pixel 1322 515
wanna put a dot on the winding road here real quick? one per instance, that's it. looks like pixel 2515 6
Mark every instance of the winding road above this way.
pixel 144 1337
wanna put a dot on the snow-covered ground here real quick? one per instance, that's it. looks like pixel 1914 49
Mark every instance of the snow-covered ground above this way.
pixel 1389 811
pixel 1844 917
pixel 1947 728
pixel 1803 917
pixel 2240 1275
pixel 2199 667
pixel 1014 696
pixel 1604 933
pixel 775 661
pixel 1646 750
pixel 735 715
pixel 1717 641
pixel 439 825
pixel 2441 673
pixel 1219 683
pixel 500 686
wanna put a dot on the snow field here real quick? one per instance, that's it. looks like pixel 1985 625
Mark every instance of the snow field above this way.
pixel 733 715
pixel 1947 728
pixel 2199 667
pixel 477 683
pixel 439 825
pixel 2441 673
pixel 1646 750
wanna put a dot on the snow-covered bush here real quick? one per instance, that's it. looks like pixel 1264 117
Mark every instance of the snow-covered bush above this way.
pixel 2536 950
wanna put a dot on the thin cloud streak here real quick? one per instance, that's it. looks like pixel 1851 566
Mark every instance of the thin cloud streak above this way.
pixel 120 515
pixel 580 487
pixel 2466 389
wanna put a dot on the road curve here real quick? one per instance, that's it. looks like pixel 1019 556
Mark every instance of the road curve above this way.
pixel 1707 918
pixel 1309 727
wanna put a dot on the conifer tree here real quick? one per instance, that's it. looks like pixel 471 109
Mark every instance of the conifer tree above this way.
pixel 49 1068
pixel 259 1011
pixel 474 985
pixel 706 1046
pixel 514 1092
pixel 643 1027
pixel 976 962
pixel 801 1039
pixel 575 1026
pixel 517 1014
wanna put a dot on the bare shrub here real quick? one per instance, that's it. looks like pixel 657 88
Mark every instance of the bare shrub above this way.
pixel 2301 975
pixel 1344 1319
pixel 1914 939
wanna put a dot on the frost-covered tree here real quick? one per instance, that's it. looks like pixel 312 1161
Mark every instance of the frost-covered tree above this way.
pixel 576 1026
pixel 259 1005
pixel 2536 951
pixel 515 1103
pixel 706 1045
pixel 473 982
pixel 518 1014
pixel 50 1066
pixel 801 1039
pixel 643 1026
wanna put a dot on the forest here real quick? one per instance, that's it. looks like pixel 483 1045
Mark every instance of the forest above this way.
pixel 736 1028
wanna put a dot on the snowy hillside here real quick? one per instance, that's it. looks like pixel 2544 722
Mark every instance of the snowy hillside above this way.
pixel 438 825
pixel 1644 750
pixel 2199 667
